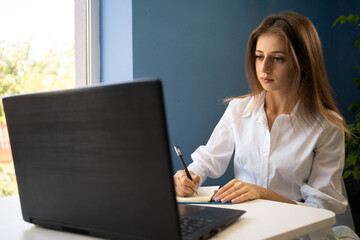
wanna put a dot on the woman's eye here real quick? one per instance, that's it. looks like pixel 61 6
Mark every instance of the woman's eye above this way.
pixel 259 57
pixel 278 59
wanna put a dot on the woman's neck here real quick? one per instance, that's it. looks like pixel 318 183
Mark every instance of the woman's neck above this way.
pixel 275 104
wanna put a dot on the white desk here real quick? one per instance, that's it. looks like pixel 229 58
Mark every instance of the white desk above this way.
pixel 262 220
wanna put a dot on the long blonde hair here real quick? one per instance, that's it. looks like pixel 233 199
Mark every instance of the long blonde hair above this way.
pixel 310 85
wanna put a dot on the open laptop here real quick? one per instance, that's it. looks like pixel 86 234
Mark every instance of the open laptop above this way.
pixel 96 160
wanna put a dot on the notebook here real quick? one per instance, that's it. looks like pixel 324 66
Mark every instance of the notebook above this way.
pixel 204 194
pixel 96 160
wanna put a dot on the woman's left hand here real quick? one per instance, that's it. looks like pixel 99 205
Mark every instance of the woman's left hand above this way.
pixel 237 191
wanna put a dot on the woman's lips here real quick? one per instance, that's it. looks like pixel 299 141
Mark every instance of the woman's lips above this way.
pixel 266 80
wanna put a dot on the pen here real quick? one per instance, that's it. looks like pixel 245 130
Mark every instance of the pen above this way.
pixel 178 152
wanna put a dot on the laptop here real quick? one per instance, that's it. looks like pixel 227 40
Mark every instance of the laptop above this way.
pixel 96 160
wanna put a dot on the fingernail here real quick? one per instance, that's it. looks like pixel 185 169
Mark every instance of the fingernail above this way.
pixel 197 185
pixel 216 199
pixel 223 200
pixel 233 201
pixel 194 189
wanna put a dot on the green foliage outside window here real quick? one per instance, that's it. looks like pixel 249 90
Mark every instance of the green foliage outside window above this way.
pixel 20 72
pixel 8 186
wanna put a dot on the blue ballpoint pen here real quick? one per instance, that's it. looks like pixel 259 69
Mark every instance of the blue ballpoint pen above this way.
pixel 178 152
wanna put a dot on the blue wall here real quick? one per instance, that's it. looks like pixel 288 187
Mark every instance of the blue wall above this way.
pixel 116 41
pixel 198 49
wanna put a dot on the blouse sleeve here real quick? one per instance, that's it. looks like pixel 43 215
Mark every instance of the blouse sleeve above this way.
pixel 212 159
pixel 323 188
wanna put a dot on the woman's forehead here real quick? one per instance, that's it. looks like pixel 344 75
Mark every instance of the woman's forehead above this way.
pixel 271 42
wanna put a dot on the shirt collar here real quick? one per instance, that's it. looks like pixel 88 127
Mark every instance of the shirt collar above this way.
pixel 255 108
pixel 257 111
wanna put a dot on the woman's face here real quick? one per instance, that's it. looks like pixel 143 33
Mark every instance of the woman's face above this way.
pixel 272 63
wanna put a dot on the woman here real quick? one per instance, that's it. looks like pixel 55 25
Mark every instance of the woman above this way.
pixel 288 135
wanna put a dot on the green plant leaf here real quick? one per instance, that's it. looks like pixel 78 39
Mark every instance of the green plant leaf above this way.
pixel 347 174
pixel 344 20
pixel 350 160
pixel 354 141
pixel 357 82
pixel 353 18
pixel 355 106
pixel 357 117
pixel 356 42
pixel 356 173
pixel 338 20
pixel 347 165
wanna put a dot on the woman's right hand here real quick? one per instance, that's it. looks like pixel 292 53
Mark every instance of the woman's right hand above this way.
pixel 183 185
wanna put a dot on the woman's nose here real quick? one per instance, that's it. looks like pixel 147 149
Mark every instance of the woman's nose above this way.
pixel 266 65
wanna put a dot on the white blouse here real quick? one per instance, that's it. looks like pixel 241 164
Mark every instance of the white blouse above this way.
pixel 300 162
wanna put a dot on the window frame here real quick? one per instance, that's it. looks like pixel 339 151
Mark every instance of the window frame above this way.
pixel 87 42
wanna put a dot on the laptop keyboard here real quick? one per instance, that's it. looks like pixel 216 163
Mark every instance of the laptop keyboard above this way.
pixel 192 224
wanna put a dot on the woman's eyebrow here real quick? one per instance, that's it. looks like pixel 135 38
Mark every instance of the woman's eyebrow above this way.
pixel 259 51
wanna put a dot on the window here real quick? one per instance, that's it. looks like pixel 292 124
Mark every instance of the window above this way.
pixel 43 46
pixel 87 42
